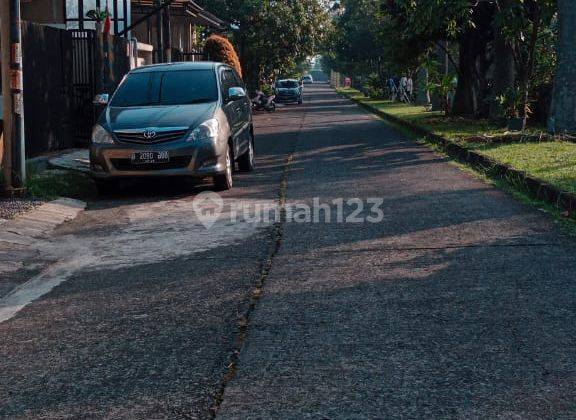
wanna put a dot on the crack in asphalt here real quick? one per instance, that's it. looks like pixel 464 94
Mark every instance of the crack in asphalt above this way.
pixel 276 236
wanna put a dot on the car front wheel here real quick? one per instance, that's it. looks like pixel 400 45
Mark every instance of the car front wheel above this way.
pixel 224 181
pixel 246 161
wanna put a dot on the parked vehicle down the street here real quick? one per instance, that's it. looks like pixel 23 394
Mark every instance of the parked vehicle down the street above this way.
pixel 288 90
pixel 180 119
pixel 307 80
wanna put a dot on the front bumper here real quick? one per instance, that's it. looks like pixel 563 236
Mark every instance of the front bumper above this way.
pixel 199 160
pixel 288 97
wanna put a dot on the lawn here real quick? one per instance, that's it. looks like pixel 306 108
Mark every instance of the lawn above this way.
pixel 452 128
pixel 551 161
pixel 51 184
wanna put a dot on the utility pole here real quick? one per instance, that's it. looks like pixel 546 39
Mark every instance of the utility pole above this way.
pixel 13 101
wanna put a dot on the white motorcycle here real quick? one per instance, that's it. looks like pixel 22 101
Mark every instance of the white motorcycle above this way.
pixel 261 102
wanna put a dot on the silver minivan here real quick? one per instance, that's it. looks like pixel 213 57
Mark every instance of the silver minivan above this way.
pixel 178 119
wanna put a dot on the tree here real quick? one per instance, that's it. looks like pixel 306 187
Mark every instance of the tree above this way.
pixel 219 49
pixel 523 24
pixel 563 115
pixel 355 43
pixel 272 37
pixel 504 66
pixel 498 43
pixel 466 22
pixel 502 46
pixel 368 43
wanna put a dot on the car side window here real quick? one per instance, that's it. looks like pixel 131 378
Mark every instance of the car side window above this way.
pixel 238 80
pixel 227 81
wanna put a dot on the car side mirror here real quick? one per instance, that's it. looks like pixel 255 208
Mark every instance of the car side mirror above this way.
pixel 236 93
pixel 101 99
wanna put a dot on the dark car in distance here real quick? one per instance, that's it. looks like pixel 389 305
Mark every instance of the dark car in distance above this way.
pixel 179 119
pixel 288 90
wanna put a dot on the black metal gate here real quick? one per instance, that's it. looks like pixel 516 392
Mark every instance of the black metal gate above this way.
pixel 83 82
pixel 194 55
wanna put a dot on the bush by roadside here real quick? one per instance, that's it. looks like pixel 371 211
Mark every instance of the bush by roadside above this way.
pixel 219 48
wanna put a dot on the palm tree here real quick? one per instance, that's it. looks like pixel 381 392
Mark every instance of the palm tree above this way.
pixel 563 112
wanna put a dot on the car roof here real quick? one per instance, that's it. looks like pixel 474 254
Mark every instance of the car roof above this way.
pixel 187 65
pixel 288 80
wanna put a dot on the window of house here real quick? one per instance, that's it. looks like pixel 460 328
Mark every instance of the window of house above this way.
pixel 76 9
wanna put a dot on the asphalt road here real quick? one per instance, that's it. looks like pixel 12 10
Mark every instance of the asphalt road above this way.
pixel 460 303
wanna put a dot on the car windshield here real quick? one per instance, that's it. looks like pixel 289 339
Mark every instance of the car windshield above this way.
pixel 287 84
pixel 166 88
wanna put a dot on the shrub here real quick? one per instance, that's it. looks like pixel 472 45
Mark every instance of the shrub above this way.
pixel 374 88
pixel 219 49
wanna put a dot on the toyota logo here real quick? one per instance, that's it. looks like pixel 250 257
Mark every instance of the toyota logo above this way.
pixel 149 134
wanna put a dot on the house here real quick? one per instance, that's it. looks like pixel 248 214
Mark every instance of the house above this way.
pixel 72 14
pixel 183 25
pixel 66 62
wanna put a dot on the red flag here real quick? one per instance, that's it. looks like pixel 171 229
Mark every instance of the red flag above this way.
pixel 107 21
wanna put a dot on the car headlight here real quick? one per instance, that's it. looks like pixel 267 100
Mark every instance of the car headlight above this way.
pixel 208 130
pixel 101 136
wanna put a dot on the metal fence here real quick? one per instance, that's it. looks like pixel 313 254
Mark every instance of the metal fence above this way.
pixel 63 70
pixel 83 81
pixel 194 55
pixel 47 58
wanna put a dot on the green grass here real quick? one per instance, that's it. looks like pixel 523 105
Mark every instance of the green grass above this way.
pixel 551 161
pixel 452 128
pixel 52 184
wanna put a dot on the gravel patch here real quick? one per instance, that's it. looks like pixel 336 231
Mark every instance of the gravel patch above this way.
pixel 11 207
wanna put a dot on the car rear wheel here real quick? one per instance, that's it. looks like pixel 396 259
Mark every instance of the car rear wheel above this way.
pixel 224 181
pixel 246 161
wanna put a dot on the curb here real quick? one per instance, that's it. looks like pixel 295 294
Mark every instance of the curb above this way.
pixel 27 228
pixel 73 160
pixel 538 189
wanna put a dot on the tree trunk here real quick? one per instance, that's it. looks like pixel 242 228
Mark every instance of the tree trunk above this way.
pixel 563 112
pixel 466 100
pixel 422 93
pixel 527 82
pixel 472 89
pixel 250 69
pixel 504 72
pixel 381 75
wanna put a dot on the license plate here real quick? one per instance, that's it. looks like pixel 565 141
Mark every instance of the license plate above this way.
pixel 142 158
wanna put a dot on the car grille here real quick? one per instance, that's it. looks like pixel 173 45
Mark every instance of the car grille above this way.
pixel 287 96
pixel 176 162
pixel 161 137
